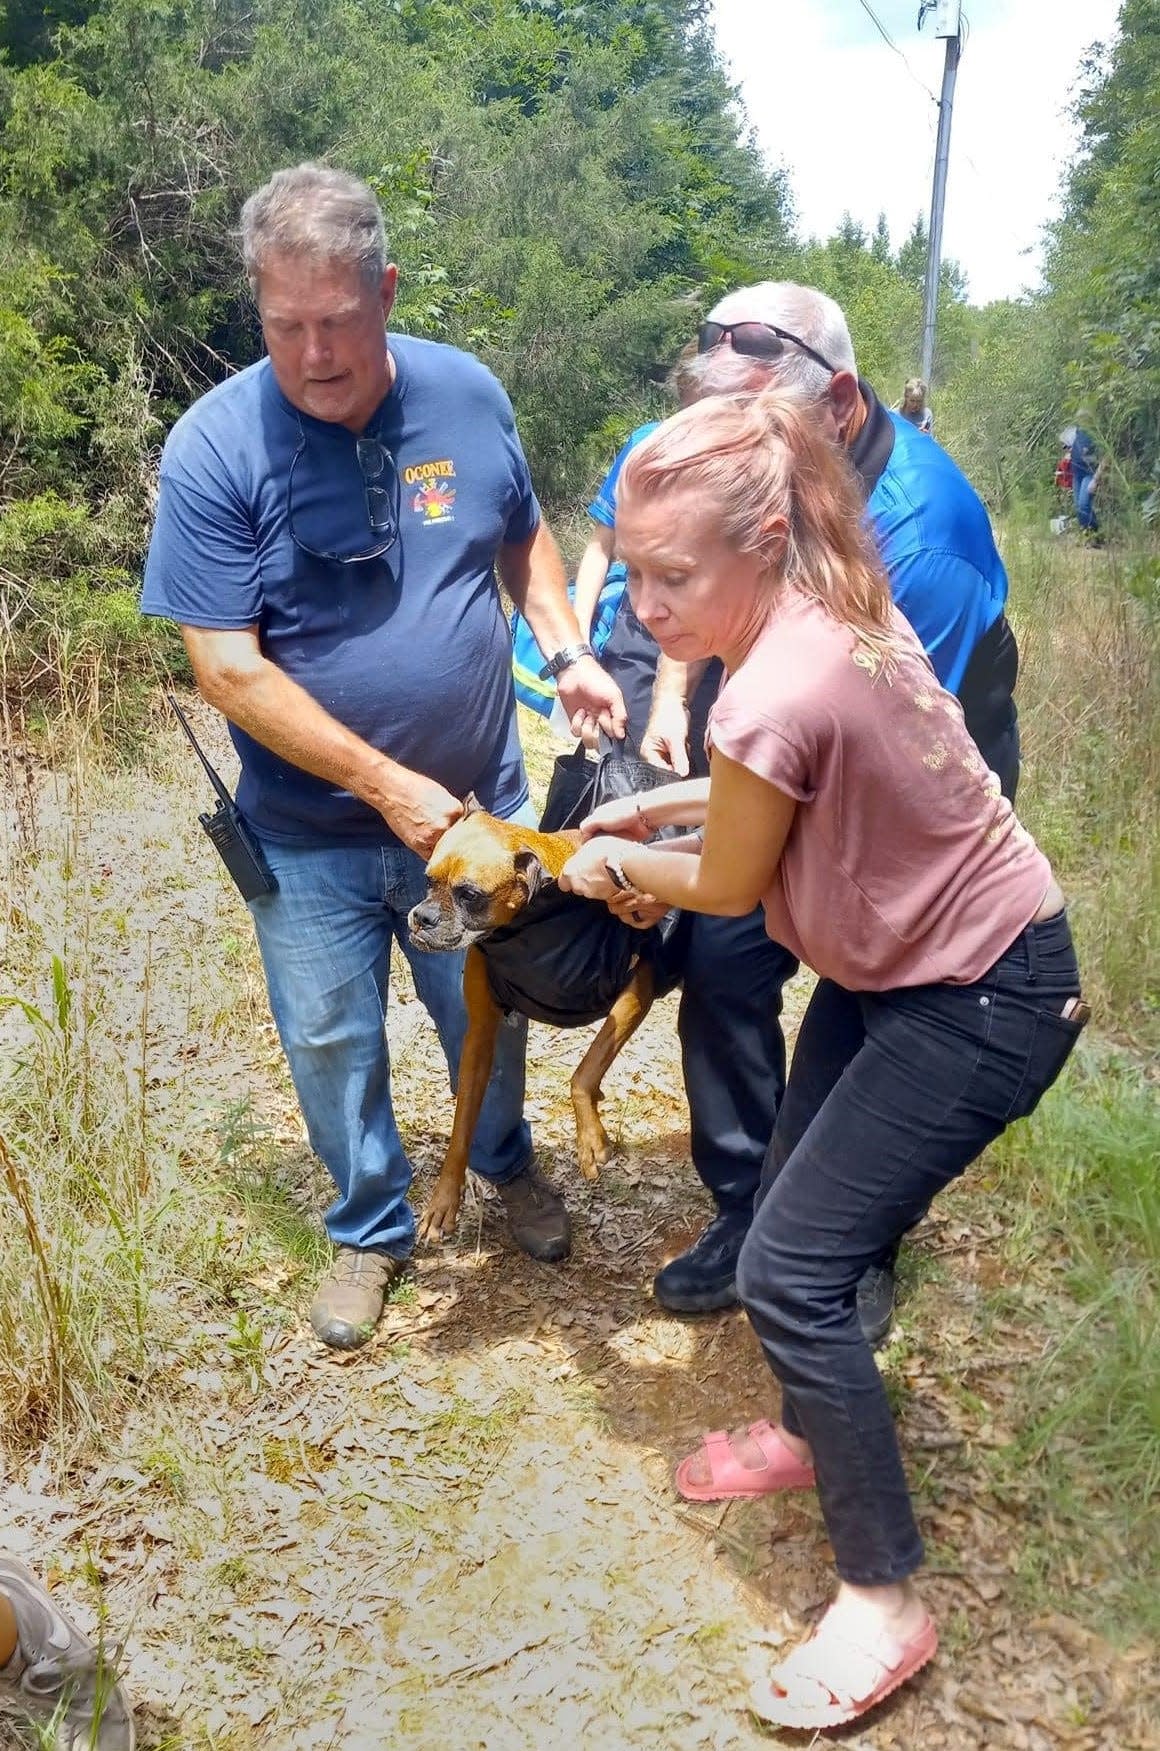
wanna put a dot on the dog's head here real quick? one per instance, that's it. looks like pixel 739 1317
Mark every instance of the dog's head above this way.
pixel 481 875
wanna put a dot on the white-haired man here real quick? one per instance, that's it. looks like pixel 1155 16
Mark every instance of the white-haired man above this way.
pixel 327 529
pixel 946 575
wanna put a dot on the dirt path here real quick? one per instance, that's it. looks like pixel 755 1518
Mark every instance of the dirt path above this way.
pixel 465 1536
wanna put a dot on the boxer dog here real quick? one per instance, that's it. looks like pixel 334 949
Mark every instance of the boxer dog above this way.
pixel 486 879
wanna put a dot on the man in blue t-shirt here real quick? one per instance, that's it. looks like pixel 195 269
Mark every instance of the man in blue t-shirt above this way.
pixel 327 533
pixel 946 576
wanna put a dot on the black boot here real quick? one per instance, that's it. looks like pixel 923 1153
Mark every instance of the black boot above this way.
pixel 876 1303
pixel 704 1279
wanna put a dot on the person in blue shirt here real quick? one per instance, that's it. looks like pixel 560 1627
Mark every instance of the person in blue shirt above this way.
pixel 948 579
pixel 327 532
pixel 1085 474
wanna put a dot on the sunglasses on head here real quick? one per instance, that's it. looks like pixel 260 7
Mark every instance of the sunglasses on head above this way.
pixel 757 340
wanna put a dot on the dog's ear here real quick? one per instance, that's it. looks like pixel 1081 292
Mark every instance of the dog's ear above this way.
pixel 532 870
pixel 472 805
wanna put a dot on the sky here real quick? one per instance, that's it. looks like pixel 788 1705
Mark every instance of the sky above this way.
pixel 855 129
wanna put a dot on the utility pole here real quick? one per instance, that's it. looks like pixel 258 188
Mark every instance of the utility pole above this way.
pixel 947 23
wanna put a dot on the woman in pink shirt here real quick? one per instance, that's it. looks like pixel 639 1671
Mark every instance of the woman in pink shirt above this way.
pixel 846 795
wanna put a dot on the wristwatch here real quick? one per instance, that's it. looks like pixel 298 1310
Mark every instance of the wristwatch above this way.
pixel 563 659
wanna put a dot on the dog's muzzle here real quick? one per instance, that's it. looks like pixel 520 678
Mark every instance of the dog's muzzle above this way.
pixel 429 929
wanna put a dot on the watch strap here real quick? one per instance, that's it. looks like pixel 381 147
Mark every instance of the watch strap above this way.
pixel 564 658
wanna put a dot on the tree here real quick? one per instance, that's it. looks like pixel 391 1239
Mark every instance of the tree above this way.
pixel 912 255
pixel 1103 277
pixel 565 187
pixel 880 242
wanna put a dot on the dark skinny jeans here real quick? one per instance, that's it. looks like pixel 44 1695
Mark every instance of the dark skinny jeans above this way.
pixel 860 1148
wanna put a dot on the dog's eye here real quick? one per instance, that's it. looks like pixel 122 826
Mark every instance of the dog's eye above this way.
pixel 467 894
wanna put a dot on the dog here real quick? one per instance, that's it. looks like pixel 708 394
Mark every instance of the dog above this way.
pixel 481 879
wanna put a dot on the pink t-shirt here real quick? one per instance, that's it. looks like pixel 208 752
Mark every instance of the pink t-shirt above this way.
pixel 904 864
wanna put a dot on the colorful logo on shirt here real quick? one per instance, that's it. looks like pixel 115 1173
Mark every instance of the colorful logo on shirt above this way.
pixel 433 500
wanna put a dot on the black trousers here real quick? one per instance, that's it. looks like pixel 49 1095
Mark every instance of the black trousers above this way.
pixel 861 1146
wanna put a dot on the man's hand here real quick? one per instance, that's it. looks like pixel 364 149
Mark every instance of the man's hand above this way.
pixel 591 699
pixel 666 738
pixel 420 812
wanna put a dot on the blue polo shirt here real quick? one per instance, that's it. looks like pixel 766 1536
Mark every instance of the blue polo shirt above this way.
pixel 411 650
pixel 934 536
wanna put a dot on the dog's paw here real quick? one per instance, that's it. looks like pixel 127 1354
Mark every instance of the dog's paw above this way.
pixel 437 1223
pixel 592 1150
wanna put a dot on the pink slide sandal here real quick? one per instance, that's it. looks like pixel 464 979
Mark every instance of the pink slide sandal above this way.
pixel 832 1679
pixel 729 1480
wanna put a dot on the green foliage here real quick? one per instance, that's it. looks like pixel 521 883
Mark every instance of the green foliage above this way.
pixel 567 184
pixel 1104 275
pixel 564 187
pixel 912 255
pixel 999 410
pixel 1088 1455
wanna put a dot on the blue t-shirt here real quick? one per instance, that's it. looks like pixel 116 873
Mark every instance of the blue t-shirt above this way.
pixel 603 507
pixel 936 543
pixel 411 651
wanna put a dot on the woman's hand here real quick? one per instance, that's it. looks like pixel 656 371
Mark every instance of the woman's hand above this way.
pixel 641 911
pixel 586 871
pixel 621 818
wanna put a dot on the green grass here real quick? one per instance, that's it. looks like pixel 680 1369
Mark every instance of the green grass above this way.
pixel 1089 700
pixel 1084 1179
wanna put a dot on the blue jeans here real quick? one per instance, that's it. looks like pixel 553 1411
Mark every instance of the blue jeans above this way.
pixel 325 939
pixel 861 1146
pixel 1084 490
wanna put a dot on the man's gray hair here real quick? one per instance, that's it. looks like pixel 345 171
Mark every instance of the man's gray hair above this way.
pixel 317 212
pixel 802 311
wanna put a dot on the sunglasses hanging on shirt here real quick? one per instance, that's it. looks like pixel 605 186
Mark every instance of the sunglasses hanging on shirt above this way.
pixel 382 498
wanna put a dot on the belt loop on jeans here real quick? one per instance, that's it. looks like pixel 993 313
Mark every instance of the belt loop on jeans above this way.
pixel 1032 955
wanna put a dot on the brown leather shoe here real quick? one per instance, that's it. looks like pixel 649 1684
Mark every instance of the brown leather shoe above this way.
pixel 349 1304
pixel 537 1216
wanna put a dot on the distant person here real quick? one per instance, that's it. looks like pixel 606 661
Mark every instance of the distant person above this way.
pixel 1086 467
pixel 913 406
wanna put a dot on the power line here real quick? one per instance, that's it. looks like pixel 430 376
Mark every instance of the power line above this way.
pixel 891 44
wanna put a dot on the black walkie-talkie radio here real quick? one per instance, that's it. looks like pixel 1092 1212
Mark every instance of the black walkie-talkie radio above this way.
pixel 227 831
